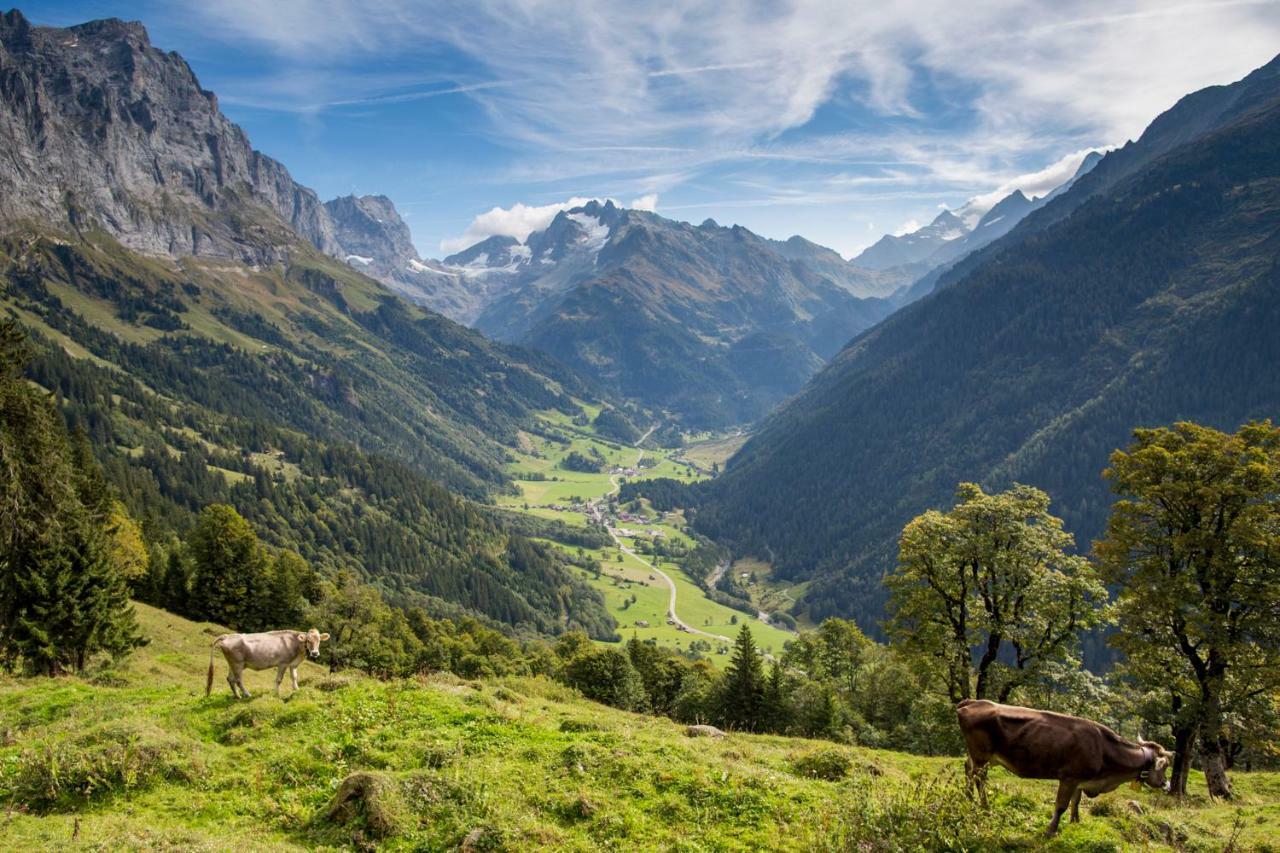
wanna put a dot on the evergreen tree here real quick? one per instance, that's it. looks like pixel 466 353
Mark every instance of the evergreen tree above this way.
pixel 175 594
pixel 742 699
pixel 62 598
pixel 285 602
pixel 777 703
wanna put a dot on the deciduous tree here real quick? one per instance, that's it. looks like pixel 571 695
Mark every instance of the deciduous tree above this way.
pixel 1194 547
pixel 990 593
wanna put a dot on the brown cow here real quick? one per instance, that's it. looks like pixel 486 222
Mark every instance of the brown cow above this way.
pixel 1084 756
pixel 281 649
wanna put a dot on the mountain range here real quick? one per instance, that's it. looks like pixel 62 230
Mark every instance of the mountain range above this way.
pixel 193 309
pixel 1145 293
pixel 713 325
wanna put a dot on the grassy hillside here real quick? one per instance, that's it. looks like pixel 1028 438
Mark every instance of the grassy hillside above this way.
pixel 138 758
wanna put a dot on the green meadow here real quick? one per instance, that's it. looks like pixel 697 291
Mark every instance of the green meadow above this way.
pixel 137 758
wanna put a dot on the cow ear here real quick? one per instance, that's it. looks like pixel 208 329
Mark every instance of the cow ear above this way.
pixel 324 636
pixel 302 637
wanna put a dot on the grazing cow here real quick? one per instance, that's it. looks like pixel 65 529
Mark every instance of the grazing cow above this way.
pixel 281 649
pixel 1084 756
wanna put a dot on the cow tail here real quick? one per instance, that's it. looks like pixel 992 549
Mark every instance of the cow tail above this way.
pixel 208 682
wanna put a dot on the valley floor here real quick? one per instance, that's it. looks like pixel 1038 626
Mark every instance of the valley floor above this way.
pixel 138 758
pixel 657 584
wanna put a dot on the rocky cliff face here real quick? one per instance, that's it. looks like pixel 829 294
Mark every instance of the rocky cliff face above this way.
pixel 371 237
pixel 101 129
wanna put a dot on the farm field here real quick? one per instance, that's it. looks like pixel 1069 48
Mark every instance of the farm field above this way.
pixel 138 758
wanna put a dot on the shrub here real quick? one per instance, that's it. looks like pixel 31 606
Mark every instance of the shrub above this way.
pixel 829 764
pixel 110 759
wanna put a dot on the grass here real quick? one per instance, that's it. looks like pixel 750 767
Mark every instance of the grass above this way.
pixel 142 760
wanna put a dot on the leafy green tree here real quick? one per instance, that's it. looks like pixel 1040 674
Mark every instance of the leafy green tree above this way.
pixel 989 594
pixel 836 650
pixel 128 548
pixel 606 675
pixel 1193 546
pixel 228 569
pixel 742 697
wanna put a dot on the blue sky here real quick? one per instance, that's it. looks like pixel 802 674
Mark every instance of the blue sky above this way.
pixel 839 121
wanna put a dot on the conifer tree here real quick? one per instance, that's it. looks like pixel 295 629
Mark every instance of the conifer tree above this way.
pixel 62 598
pixel 742 701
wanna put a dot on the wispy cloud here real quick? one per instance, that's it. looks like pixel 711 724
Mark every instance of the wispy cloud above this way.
pixel 844 102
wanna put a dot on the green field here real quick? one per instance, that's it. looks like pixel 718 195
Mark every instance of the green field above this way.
pixel 138 758
pixel 631 577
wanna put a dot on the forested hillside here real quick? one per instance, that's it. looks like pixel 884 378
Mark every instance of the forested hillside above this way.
pixel 183 308
pixel 1154 300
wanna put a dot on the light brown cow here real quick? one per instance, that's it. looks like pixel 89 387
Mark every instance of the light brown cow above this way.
pixel 281 649
pixel 1084 756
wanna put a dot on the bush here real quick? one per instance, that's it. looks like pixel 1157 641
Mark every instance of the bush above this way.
pixel 110 759
pixel 831 765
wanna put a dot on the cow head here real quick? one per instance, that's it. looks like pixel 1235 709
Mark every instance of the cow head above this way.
pixel 312 640
pixel 1156 773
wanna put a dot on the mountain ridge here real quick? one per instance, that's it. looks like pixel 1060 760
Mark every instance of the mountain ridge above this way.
pixel 1150 301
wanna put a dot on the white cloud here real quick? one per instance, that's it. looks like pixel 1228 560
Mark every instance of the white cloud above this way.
pixel 1032 184
pixel 907 227
pixel 647 202
pixel 519 221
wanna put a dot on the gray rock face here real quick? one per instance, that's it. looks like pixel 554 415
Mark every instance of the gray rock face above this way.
pixel 101 129
pixel 372 238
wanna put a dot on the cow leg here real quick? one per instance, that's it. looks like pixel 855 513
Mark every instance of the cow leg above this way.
pixel 293 671
pixel 976 775
pixel 1066 791
pixel 238 671
pixel 280 676
pixel 1075 806
pixel 231 682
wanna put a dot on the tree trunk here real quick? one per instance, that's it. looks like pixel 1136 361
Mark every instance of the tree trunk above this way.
pixel 983 689
pixel 1183 740
pixel 1215 768
pixel 1213 733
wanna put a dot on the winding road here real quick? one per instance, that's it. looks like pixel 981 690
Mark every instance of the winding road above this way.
pixel 671 584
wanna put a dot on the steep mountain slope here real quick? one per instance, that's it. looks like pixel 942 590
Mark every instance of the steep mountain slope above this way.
pixel 713 324
pixel 1153 300
pixel 916 247
pixel 372 238
pixel 212 353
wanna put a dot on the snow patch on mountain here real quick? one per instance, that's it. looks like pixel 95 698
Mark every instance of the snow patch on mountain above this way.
pixel 595 233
